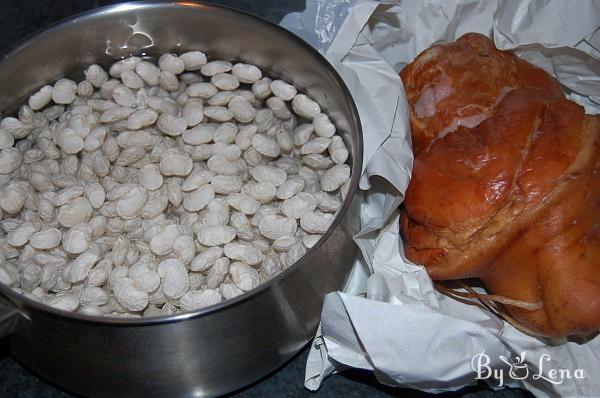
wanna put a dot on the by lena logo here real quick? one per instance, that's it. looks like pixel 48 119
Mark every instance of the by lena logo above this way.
pixel 518 369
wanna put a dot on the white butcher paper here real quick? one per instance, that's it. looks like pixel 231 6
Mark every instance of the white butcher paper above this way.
pixel 390 319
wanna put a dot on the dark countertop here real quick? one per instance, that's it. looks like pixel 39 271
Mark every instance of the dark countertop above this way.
pixel 20 18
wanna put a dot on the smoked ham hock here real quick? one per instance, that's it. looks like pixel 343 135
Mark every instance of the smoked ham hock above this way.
pixel 505 184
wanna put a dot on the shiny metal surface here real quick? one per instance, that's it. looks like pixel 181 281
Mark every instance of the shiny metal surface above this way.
pixel 224 347
pixel 9 318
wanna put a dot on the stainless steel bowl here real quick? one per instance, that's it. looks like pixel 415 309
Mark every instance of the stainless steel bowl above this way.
pixel 217 349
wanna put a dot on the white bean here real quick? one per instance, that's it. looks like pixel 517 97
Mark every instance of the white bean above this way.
pixel 283 90
pixel 217 273
pixel 196 179
pixel 131 204
pixel 242 226
pixel 149 72
pixel 290 187
pixel 266 173
pixel 171 63
pixel 78 269
pixel 116 114
pixel 199 198
pixel 92 295
pixel 184 249
pixel 316 145
pixel 230 290
pixel 77 239
pixel 262 191
pixel 327 203
pixel 216 235
pixel 294 254
pixel 310 240
pixel 244 137
pixel 316 222
pixel 278 107
pixel 323 126
pixel 244 203
pixel 335 177
pixel 305 106
pixel 130 295
pixel 141 118
pixel 298 205
pixel 246 73
pixel 284 243
pixel 225 133
pixel 193 60
pixel 195 299
pixel 76 211
pixel 262 88
pixel 265 146
pixel 176 165
pixel 338 150
pixel 244 276
pixel 146 279
pixel 162 243
pixel 123 96
pixel 198 135
pixel 150 177
pixel 220 165
pixel 131 79
pixel 241 109
pixel 226 184
pixel 225 81
pixel 214 67
pixel 317 161
pixel 201 90
pixel 10 160
pixel 66 301
pixel 222 98
pixel 125 64
pixel 218 113
pixel 85 89
pixel 171 125
pixel 193 112
pixel 41 98
pixel 204 260
pixel 243 252
pixel 284 139
pixel 46 239
pixel 174 276
pixel 64 91
pixel 274 226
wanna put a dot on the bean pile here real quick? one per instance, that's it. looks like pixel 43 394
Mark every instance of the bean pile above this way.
pixel 152 190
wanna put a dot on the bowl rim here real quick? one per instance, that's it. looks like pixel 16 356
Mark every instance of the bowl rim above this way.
pixel 16 298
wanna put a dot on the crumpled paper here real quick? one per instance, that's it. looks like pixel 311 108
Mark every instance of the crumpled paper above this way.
pixel 390 319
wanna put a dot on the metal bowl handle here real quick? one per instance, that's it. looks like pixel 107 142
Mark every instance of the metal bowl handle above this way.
pixel 9 317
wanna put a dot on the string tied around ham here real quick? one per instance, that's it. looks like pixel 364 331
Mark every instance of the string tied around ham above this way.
pixel 491 301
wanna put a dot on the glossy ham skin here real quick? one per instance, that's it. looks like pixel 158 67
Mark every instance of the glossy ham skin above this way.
pixel 513 200
pixel 460 83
